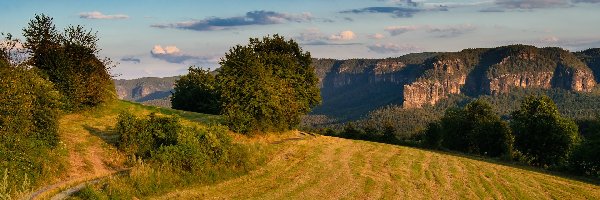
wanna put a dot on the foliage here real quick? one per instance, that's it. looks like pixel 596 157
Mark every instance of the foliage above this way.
pixel 196 92
pixel 541 134
pixel 29 112
pixel 267 85
pixel 433 135
pixel 476 128
pixel 166 142
pixel 585 159
pixel 69 59
pixel 169 154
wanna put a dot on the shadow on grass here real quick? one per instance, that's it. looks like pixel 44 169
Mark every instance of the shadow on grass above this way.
pixel 192 116
pixel 107 135
pixel 497 161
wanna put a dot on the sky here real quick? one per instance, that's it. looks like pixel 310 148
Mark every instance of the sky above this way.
pixel 159 38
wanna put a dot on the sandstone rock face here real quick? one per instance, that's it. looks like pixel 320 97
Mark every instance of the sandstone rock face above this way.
pixel 503 83
pixel 449 78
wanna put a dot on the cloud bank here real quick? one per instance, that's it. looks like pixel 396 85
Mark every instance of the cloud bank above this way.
pixel 251 18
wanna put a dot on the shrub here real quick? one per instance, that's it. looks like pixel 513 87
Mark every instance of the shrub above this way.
pixel 29 112
pixel 541 134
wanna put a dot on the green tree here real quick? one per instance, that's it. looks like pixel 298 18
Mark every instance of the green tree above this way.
pixel 541 134
pixel 196 92
pixel 476 128
pixel 69 60
pixel 267 85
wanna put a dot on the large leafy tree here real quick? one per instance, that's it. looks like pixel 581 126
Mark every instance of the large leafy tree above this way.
pixel 476 128
pixel 267 85
pixel 69 59
pixel 541 134
pixel 197 92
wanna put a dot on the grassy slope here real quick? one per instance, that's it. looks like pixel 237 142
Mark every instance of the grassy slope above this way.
pixel 322 167
pixel 89 142
pixel 333 168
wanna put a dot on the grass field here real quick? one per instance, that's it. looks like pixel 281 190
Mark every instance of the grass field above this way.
pixel 332 168
pixel 320 167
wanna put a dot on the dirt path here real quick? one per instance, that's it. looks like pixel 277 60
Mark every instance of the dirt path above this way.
pixel 333 168
pixel 90 154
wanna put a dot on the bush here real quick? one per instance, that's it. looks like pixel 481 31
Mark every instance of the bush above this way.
pixel 541 134
pixel 139 137
pixel 196 92
pixel 29 112
pixel 166 142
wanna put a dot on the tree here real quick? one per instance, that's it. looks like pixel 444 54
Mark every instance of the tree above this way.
pixel 196 92
pixel 541 134
pixel 267 85
pixel 476 128
pixel 69 60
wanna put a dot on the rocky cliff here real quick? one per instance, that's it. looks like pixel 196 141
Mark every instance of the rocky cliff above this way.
pixel 417 80
pixel 148 90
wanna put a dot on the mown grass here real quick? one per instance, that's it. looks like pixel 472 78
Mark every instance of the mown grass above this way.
pixel 334 168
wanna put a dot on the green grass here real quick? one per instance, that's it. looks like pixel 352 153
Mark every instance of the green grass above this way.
pixel 330 168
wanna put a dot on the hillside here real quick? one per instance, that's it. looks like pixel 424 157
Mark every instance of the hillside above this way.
pixel 315 167
pixel 333 168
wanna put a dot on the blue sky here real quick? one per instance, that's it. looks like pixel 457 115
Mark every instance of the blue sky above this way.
pixel 162 38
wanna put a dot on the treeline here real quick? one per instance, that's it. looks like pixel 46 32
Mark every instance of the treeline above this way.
pixel 49 73
pixel 534 134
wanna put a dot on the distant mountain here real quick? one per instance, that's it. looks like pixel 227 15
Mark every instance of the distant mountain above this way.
pixel 352 88
pixel 148 90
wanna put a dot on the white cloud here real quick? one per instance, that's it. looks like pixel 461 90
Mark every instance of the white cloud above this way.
pixel 99 15
pixel 377 36
pixel 166 50
pixel 172 54
pixel 344 35
pixel 397 30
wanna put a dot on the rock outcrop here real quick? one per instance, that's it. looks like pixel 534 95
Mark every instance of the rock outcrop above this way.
pixel 416 80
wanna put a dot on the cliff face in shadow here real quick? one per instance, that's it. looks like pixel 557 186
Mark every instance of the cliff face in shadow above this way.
pixel 351 88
